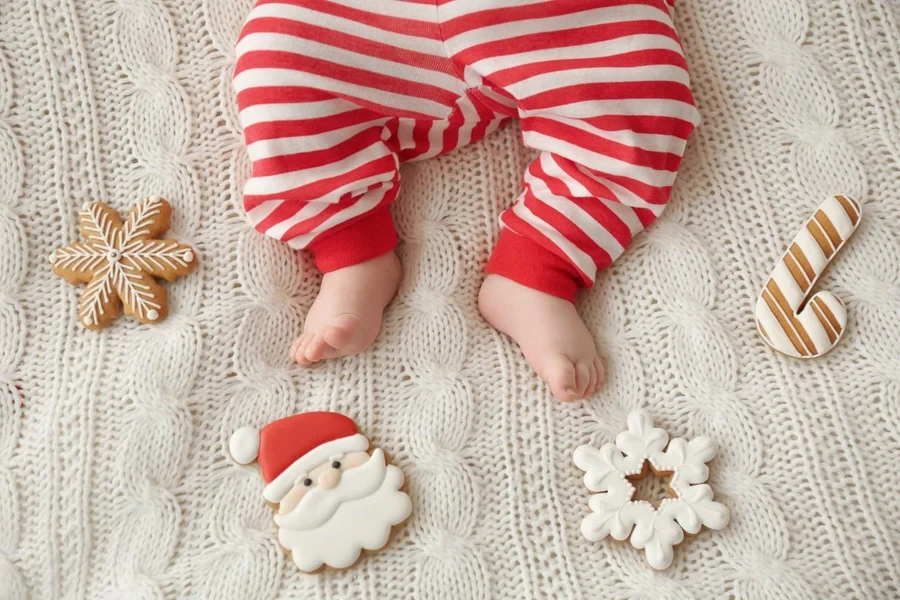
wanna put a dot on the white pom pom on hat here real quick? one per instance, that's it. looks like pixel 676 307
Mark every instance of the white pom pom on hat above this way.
pixel 244 445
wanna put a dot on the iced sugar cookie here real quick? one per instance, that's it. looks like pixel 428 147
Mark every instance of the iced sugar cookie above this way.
pixel 120 261
pixel 334 497
pixel 787 321
pixel 612 470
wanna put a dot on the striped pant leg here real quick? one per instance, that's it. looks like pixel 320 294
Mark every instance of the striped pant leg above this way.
pixel 602 91
pixel 322 87
pixel 326 181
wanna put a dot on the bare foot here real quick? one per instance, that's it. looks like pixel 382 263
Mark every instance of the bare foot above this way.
pixel 346 316
pixel 552 336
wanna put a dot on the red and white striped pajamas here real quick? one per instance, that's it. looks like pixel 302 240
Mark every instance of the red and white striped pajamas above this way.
pixel 335 94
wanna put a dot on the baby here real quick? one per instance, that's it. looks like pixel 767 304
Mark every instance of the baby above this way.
pixel 335 94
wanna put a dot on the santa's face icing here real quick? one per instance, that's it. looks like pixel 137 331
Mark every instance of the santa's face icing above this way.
pixel 340 508
pixel 326 476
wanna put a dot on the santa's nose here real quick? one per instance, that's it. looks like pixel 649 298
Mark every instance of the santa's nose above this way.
pixel 330 478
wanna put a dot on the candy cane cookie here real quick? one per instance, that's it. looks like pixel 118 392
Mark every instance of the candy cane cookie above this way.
pixel 787 321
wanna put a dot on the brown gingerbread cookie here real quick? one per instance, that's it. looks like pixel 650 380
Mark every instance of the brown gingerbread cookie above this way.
pixel 120 261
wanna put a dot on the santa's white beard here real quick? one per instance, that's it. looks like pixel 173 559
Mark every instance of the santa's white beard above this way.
pixel 332 527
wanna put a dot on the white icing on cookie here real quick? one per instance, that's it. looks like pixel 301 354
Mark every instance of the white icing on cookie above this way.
pixel 614 513
pixel 244 445
pixel 332 527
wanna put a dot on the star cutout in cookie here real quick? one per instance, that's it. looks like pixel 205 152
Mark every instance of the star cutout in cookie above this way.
pixel 120 261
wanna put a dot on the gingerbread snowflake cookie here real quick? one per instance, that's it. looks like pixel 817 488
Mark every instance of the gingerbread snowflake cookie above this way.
pixel 119 262
pixel 612 470
pixel 335 497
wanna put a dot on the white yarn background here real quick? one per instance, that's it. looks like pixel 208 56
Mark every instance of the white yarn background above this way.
pixel 114 482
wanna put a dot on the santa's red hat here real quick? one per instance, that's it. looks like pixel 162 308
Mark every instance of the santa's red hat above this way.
pixel 290 448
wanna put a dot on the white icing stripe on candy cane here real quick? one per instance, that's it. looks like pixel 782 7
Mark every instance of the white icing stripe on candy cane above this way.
pixel 817 328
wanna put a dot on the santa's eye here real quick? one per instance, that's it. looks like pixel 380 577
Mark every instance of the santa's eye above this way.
pixel 307 482
pixel 336 464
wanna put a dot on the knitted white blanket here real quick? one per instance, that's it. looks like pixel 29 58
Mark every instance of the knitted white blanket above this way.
pixel 114 480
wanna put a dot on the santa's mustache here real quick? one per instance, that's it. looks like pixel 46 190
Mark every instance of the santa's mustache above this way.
pixel 319 505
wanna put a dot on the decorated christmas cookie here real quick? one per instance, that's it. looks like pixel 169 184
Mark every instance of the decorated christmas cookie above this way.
pixel 119 262
pixel 612 470
pixel 790 323
pixel 334 497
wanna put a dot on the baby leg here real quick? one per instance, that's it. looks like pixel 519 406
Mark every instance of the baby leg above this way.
pixel 606 99
pixel 324 174
pixel 322 87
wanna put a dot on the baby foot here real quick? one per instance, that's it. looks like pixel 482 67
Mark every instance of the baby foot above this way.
pixel 550 333
pixel 346 316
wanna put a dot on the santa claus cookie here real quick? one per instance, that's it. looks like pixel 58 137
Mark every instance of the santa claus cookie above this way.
pixel 334 497
pixel 612 470
pixel 120 261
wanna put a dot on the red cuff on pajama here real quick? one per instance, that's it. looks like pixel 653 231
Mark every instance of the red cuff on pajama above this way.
pixel 335 95
pixel 365 238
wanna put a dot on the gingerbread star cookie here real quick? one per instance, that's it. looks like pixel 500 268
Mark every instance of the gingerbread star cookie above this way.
pixel 119 262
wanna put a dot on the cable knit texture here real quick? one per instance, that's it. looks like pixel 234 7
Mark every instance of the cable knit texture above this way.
pixel 114 476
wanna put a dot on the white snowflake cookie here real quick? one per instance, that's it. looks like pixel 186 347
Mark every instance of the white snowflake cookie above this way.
pixel 611 471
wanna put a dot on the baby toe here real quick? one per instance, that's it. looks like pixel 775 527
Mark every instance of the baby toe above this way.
pixel 582 377
pixel 601 373
pixel 338 337
pixel 560 373
pixel 315 349
pixel 592 386
pixel 298 352
pixel 295 346
pixel 343 331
